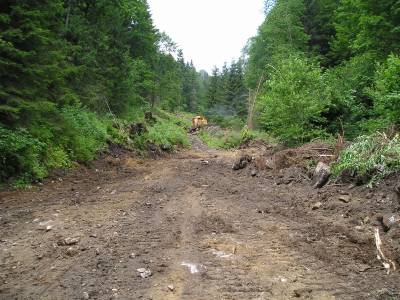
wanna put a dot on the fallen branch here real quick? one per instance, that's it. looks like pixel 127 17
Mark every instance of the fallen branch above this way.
pixel 387 263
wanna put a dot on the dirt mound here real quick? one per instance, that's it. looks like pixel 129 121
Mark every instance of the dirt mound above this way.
pixel 286 165
pixel 304 156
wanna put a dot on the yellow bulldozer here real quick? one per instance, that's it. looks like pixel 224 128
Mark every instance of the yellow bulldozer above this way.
pixel 198 122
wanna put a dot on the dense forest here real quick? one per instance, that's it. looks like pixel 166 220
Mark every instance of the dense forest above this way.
pixel 326 67
pixel 75 73
pixel 69 70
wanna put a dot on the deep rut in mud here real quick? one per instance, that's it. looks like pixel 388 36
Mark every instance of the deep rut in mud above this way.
pixel 203 230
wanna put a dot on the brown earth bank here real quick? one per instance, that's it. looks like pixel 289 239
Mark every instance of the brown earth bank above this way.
pixel 188 226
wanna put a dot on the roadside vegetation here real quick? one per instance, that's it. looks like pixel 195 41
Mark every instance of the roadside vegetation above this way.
pixel 370 158
pixel 228 138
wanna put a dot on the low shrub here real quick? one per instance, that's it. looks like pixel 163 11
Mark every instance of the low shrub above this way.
pixel 20 155
pixel 221 139
pixel 51 141
pixel 374 157
pixel 83 133
pixel 167 134
pixel 292 103
pixel 73 133
pixel 228 139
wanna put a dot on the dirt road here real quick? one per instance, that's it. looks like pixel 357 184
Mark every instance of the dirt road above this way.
pixel 203 230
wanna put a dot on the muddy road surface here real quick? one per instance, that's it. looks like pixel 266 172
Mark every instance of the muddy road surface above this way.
pixel 185 227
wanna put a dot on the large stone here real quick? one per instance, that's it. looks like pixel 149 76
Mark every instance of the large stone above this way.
pixel 321 175
pixel 345 198
pixel 72 251
pixel 71 241
pixel 316 206
pixel 389 221
pixel 241 162
pixel 144 273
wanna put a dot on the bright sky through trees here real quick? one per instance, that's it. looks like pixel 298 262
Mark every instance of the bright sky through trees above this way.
pixel 209 32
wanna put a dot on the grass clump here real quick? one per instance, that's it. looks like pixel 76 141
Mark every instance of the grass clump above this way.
pixel 166 134
pixel 373 157
pixel 221 139
pixel 228 138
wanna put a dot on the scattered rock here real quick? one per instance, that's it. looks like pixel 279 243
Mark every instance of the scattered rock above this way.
pixel 204 162
pixel 397 190
pixel 362 267
pixel 71 241
pixel 316 206
pixel 47 225
pixel 302 292
pixel 269 164
pixel 192 267
pixel 171 287
pixel 253 173
pixel 321 175
pixel 144 273
pixel 366 220
pixel 287 181
pixel 369 196
pixel 388 221
pixel 383 195
pixel 241 162
pixel 166 147
pixel 72 251
pixel 345 198
pixel 85 296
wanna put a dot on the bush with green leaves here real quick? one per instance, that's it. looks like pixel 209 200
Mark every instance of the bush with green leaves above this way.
pixel 53 141
pixel 373 157
pixel 293 101
pixel 20 155
pixel 83 133
pixel 386 94
pixel 167 134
